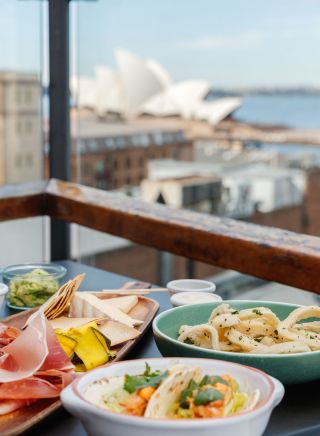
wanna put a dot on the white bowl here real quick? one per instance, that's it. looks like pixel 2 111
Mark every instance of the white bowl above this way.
pixel 184 298
pixel 100 422
pixel 3 291
pixel 190 285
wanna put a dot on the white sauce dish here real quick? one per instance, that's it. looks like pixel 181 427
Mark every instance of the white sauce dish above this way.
pixel 184 298
pixel 190 285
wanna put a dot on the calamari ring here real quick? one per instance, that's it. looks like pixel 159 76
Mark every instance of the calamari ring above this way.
pixel 224 320
pixel 245 342
pixel 312 326
pixel 287 331
pixel 202 335
pixel 285 348
pixel 255 327
pixel 259 312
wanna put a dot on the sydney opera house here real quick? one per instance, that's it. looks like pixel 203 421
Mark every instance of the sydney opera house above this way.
pixel 143 87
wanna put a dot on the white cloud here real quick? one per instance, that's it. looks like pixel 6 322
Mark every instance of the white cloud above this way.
pixel 217 42
pixel 251 39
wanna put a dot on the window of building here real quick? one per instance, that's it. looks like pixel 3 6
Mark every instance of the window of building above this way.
pixel 121 142
pixel 100 166
pixel 109 143
pixel 92 144
pixel 158 138
pixel 128 162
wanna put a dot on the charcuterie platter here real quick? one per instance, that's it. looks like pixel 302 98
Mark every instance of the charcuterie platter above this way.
pixel 44 349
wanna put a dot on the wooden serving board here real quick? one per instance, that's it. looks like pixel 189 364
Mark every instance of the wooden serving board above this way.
pixel 23 419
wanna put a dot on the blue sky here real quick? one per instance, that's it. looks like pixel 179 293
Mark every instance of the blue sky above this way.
pixel 229 42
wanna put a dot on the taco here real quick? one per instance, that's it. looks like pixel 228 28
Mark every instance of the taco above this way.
pixel 179 392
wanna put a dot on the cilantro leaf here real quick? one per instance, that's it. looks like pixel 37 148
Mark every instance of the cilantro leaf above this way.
pixel 207 396
pixel 187 393
pixel 212 380
pixel 257 311
pixel 134 382
pixel 147 371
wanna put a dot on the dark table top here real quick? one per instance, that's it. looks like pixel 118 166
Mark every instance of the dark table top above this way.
pixel 297 414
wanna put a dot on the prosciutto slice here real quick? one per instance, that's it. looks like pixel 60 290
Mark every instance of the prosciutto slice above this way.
pixel 35 348
pixel 24 356
pixel 7 406
pixel 56 358
pixel 27 389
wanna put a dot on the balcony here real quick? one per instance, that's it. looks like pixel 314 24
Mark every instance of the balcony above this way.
pixel 268 253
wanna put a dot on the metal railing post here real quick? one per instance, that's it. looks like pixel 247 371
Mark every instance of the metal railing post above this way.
pixel 59 130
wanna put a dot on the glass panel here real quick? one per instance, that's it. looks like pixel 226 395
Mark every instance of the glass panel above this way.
pixel 22 120
pixel 200 111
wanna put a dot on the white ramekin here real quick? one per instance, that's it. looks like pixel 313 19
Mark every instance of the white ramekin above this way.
pixel 184 298
pixel 190 285
pixel 3 291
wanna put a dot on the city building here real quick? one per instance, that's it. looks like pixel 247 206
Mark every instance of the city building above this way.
pixel 115 155
pixel 21 154
pixel 202 194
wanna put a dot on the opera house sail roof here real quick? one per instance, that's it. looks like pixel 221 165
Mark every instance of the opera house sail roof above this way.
pixel 144 87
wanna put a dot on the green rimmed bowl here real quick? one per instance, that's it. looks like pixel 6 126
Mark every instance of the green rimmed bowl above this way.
pixel 288 368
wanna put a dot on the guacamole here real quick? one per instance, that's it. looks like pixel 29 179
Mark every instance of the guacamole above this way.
pixel 31 289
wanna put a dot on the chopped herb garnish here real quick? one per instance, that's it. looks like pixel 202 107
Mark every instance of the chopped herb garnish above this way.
pixel 188 341
pixel 207 396
pixel 187 393
pixel 134 382
pixel 257 311
pixel 212 380
pixel 235 312
pixel 240 338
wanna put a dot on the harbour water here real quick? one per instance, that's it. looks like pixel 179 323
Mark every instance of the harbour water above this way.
pixel 293 110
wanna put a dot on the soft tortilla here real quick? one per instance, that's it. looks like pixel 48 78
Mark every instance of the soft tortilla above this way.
pixel 169 392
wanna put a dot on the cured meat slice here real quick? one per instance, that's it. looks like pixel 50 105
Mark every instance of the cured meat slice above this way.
pixel 56 358
pixel 8 334
pixel 27 353
pixel 35 348
pixel 60 379
pixel 7 406
pixel 28 389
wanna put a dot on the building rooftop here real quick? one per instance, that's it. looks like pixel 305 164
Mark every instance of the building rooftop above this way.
pixel 97 135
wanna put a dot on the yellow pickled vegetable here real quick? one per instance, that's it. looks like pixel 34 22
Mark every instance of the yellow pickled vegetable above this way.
pixel 90 350
pixel 68 344
pixel 104 341
pixel 80 367
pixel 76 333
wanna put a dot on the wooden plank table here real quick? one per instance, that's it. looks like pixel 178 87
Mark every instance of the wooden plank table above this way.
pixel 297 415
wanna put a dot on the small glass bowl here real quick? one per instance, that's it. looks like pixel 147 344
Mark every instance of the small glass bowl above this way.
pixel 31 284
